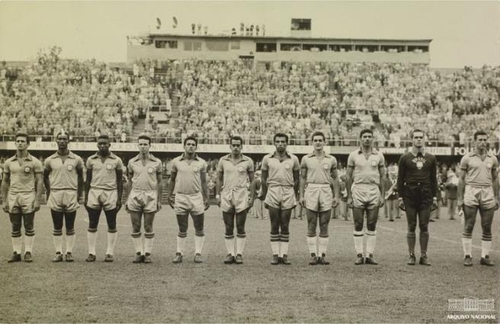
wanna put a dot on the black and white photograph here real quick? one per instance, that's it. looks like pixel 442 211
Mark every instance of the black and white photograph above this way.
pixel 249 161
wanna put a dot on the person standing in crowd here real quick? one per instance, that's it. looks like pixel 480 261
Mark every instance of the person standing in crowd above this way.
pixel 366 194
pixel 234 171
pixel 391 194
pixel 417 188
pixel 63 179
pixel 451 187
pixel 258 205
pixel 22 187
pixel 103 191
pixel 478 191
pixel 280 179
pixel 189 180
pixel 318 192
pixel 145 174
pixel 436 212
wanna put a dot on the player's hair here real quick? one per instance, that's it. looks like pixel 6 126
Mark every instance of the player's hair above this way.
pixel 364 131
pixel 144 137
pixel 191 138
pixel 318 134
pixel 417 130
pixel 103 136
pixel 280 135
pixel 23 134
pixel 236 138
pixel 62 133
pixel 479 133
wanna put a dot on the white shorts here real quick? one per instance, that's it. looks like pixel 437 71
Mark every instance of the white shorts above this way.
pixel 100 198
pixel 189 204
pixel 319 197
pixel 234 200
pixel 143 201
pixel 63 200
pixel 365 197
pixel 479 197
pixel 280 197
pixel 21 203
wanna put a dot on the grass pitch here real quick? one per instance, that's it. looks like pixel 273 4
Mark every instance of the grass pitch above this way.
pixel 253 292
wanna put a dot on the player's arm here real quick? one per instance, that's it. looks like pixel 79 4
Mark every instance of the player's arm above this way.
pixel 296 180
pixel 38 190
pixel 381 186
pixel 348 181
pixel 119 187
pixel 46 181
pixel 434 181
pixel 296 176
pixel 204 188
pixel 170 187
pixel 263 177
pixel 159 180
pixel 461 188
pixel 251 196
pixel 401 178
pixel 494 177
pixel 88 181
pixel 218 185
pixel 80 183
pixel 302 183
pixel 5 190
pixel 336 186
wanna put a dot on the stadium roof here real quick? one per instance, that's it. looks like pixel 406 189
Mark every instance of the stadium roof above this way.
pixel 294 38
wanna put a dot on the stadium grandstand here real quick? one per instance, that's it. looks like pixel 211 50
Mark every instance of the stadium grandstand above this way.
pixel 213 87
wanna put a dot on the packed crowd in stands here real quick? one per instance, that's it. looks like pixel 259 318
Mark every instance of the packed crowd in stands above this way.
pixel 217 99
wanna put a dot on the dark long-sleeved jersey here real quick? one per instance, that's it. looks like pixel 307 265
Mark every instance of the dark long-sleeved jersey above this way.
pixel 415 169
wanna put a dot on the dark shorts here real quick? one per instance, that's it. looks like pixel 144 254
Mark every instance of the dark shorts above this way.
pixel 417 196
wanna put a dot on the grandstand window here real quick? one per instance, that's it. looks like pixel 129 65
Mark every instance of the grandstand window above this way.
pixel 290 47
pixel 345 48
pixel 314 47
pixel 418 49
pixel 217 46
pixel 235 45
pixel 393 48
pixel 366 48
pixel 266 47
pixel 166 44
pixel 192 46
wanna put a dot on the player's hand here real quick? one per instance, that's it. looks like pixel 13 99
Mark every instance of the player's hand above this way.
pixel 460 203
pixel 401 204
pixel 434 204
pixel 118 205
pixel 263 196
pixel 36 205
pixel 206 203
pixel 497 204
pixel 158 206
pixel 335 202
pixel 170 201
pixel 350 203
pixel 6 207
pixel 381 202
pixel 302 202
pixel 250 202
pixel 217 200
